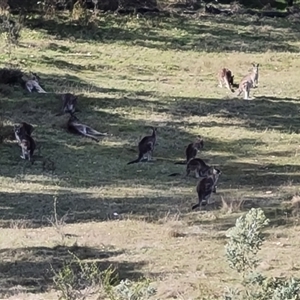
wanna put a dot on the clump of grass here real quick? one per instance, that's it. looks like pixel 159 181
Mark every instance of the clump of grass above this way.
pixel 295 205
pixel 82 280
pixel 231 205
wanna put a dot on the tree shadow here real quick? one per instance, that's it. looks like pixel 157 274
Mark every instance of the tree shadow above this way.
pixel 83 163
pixel 149 33
pixel 31 269
pixel 259 114
pixel 34 210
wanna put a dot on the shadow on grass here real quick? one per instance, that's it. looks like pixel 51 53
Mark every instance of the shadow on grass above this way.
pixel 83 163
pixel 36 210
pixel 262 113
pixel 151 31
pixel 30 269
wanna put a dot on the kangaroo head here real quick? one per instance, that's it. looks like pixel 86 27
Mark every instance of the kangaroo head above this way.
pixel 255 67
pixel 199 142
pixel 34 77
pixel 154 130
pixel 216 171
pixel 73 118
pixel 17 129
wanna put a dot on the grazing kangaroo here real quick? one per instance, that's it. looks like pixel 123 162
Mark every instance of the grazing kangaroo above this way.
pixel 248 82
pixel 207 186
pixel 225 77
pixel 25 141
pixel 146 147
pixel 192 150
pixel 75 127
pixel 198 166
pixel 69 104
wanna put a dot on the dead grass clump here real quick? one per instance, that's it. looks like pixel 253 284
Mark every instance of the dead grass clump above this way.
pixel 6 132
pixel 174 233
pixel 231 205
pixel 295 203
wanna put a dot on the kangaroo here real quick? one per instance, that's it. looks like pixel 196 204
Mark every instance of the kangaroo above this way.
pixel 192 150
pixel 69 104
pixel 21 130
pixel 248 82
pixel 146 147
pixel 74 126
pixel 25 141
pixel 32 84
pixel 207 186
pixel 225 77
pixel 198 166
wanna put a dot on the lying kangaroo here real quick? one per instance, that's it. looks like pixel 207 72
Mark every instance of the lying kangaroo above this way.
pixel 25 141
pixel 69 104
pixel 207 186
pixel 75 127
pixel 32 84
pixel 196 165
pixel 225 77
pixel 248 82
pixel 146 147
pixel 192 150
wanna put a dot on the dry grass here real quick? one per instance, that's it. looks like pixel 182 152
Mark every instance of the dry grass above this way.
pixel 130 74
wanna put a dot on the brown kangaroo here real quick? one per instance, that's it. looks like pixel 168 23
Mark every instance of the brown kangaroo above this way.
pixel 207 186
pixel 248 82
pixel 69 104
pixel 146 147
pixel 75 127
pixel 196 165
pixel 25 141
pixel 225 77
pixel 192 150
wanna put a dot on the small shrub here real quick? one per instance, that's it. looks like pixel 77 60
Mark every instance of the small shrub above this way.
pixel 245 240
pixel 81 280
pixel 10 28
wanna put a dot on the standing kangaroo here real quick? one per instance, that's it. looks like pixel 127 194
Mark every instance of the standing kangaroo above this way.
pixel 225 77
pixel 248 82
pixel 25 141
pixel 207 186
pixel 146 147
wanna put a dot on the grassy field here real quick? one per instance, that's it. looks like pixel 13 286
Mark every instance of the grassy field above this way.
pixel 131 74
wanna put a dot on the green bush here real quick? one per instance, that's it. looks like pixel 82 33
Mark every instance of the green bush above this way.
pixel 245 240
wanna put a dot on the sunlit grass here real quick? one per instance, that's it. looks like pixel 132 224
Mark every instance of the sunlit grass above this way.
pixel 133 74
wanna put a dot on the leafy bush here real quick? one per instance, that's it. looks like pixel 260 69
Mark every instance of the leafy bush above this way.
pixel 245 240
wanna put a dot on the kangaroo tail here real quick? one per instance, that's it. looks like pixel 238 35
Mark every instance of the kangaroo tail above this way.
pixel 180 163
pixel 174 174
pixel 195 206
pixel 136 160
